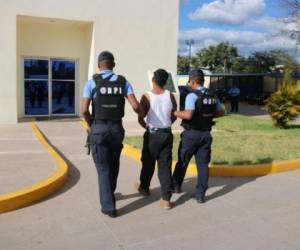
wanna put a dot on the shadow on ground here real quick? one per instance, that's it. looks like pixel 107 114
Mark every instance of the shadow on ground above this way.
pixel 73 174
pixel 138 204
pixel 227 184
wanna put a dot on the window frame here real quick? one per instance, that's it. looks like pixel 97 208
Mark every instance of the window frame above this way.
pixel 50 80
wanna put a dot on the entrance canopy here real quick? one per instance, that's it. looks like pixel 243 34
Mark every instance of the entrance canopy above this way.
pixel 54 57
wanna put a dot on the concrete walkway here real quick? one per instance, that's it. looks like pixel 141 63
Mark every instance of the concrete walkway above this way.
pixel 241 213
pixel 23 162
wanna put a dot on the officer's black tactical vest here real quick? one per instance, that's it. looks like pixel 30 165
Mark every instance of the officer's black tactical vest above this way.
pixel 184 91
pixel 109 102
pixel 205 109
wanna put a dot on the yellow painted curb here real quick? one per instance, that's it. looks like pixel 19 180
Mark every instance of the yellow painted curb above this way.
pixel 40 190
pixel 84 124
pixel 132 152
pixel 227 170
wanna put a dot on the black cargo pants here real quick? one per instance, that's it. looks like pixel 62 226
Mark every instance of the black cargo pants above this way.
pixel 106 144
pixel 234 102
pixel 194 143
pixel 157 146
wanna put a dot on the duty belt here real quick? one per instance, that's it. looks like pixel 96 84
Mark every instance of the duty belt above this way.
pixel 107 121
pixel 157 130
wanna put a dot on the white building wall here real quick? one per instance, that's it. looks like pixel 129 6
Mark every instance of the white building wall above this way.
pixel 141 34
pixel 8 82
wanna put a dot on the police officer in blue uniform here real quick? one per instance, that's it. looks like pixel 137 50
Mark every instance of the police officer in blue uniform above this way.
pixel 201 106
pixel 107 92
pixel 234 94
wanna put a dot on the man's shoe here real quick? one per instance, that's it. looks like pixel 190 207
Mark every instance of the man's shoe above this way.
pixel 112 214
pixel 199 200
pixel 165 204
pixel 142 191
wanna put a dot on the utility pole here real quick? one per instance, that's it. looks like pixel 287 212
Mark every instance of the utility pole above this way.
pixel 190 43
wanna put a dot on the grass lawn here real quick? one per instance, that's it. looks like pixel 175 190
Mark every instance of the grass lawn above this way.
pixel 241 140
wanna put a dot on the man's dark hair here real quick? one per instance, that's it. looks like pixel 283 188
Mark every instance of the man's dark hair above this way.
pixel 197 75
pixel 106 55
pixel 106 59
pixel 160 77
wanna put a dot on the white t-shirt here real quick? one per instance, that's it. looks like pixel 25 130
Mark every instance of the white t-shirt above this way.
pixel 159 114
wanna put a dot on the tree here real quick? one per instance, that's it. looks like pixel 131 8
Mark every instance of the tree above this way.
pixel 219 57
pixel 291 23
pixel 284 105
pixel 264 62
pixel 196 62
pixel 283 58
pixel 257 62
pixel 293 6
pixel 182 65
pixel 261 62
pixel 240 64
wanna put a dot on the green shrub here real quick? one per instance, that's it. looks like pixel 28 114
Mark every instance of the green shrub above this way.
pixel 284 105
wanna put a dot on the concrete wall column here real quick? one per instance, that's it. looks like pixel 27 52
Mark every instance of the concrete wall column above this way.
pixel 8 87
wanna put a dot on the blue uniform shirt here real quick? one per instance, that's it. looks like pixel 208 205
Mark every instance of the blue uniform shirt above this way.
pixel 234 92
pixel 90 84
pixel 191 99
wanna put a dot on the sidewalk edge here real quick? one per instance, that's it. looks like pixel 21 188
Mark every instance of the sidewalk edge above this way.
pixel 228 170
pixel 32 194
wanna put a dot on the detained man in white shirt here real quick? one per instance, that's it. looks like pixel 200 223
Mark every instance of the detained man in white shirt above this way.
pixel 158 106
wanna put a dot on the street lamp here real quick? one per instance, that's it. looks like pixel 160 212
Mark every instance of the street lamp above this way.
pixel 190 43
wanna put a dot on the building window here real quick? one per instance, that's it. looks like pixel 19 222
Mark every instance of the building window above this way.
pixel 49 87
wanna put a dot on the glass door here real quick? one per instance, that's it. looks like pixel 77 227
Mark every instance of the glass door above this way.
pixel 63 87
pixel 36 87
pixel 49 87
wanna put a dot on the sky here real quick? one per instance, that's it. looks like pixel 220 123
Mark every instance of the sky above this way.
pixel 250 25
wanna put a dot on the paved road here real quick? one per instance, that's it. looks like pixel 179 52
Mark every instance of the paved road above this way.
pixel 241 213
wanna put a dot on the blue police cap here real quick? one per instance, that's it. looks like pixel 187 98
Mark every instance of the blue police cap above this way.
pixel 196 73
pixel 105 55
